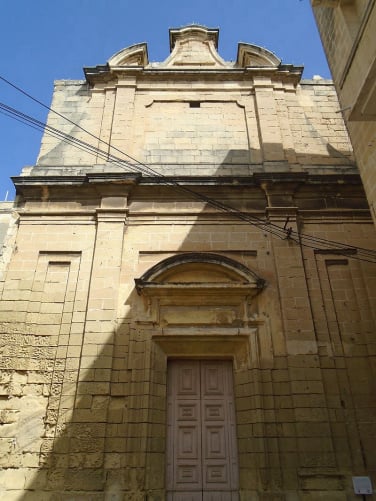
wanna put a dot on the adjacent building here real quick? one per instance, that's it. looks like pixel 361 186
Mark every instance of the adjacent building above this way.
pixel 188 307
pixel 347 29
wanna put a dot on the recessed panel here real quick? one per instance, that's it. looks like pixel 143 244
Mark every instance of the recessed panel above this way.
pixel 187 411
pixel 187 442
pixel 188 381
pixel 214 440
pixel 216 474
pixel 187 474
pixel 220 495
pixel 186 496
pixel 214 411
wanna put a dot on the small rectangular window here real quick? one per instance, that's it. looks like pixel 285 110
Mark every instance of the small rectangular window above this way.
pixel 194 104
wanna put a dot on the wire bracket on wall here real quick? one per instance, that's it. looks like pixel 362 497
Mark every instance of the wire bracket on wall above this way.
pixel 287 230
pixel 288 233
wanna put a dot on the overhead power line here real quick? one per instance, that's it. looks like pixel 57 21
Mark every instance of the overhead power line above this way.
pixel 306 240
pixel 37 124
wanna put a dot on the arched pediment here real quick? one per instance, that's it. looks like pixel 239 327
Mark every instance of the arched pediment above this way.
pixel 198 272
pixel 135 55
pixel 197 31
pixel 256 56
pixel 194 46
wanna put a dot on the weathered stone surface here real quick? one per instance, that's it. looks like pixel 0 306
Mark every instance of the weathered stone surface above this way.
pixel 84 348
pixel 346 30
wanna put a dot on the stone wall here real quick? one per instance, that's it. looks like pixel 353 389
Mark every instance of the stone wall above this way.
pixel 246 129
pixel 84 356
pixel 113 273
pixel 347 33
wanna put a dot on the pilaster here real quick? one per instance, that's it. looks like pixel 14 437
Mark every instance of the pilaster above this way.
pixel 93 396
pixel 270 133
pixel 122 125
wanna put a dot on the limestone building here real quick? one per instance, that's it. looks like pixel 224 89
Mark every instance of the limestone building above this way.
pixel 188 309
pixel 347 29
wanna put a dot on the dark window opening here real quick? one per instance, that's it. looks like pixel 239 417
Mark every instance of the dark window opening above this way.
pixel 194 104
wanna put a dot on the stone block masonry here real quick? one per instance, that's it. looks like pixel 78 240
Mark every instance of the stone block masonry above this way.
pixel 113 279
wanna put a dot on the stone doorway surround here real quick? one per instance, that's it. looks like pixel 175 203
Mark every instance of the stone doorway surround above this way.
pixel 196 306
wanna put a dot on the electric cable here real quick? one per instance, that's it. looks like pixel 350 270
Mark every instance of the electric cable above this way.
pixel 235 212
pixel 123 164
pixel 27 120
pixel 282 233
pixel 141 164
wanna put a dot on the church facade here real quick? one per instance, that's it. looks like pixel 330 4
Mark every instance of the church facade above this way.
pixel 187 300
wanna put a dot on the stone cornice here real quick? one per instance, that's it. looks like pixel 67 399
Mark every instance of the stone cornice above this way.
pixel 103 73
pixel 98 178
pixel 132 179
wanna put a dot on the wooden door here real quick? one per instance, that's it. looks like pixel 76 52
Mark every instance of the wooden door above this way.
pixel 201 437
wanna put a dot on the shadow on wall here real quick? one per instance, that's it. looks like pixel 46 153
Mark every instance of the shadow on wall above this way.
pixel 105 436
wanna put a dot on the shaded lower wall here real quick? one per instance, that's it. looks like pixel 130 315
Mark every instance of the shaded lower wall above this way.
pixel 84 357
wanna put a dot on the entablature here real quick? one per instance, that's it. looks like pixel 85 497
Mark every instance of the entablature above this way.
pixel 161 196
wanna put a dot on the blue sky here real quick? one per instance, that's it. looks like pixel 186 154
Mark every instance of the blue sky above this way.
pixel 45 40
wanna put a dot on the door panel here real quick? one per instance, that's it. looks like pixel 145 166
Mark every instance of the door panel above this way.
pixel 184 429
pixel 214 425
pixel 212 379
pixel 201 441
